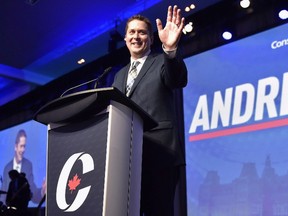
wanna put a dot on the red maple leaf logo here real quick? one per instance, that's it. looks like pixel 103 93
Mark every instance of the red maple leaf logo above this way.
pixel 74 182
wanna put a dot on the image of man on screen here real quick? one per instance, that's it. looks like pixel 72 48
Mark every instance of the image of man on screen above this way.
pixel 22 165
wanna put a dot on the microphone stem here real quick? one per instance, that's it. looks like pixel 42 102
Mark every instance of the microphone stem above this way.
pixel 107 70
pixel 74 87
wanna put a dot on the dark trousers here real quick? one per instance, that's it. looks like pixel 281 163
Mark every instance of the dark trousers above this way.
pixel 159 180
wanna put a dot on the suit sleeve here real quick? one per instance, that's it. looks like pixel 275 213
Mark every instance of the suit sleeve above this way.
pixel 36 192
pixel 175 72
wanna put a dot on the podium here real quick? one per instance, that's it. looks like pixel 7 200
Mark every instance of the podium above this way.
pixel 94 153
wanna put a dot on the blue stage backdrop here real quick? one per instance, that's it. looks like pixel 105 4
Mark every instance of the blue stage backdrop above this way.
pixel 35 151
pixel 236 117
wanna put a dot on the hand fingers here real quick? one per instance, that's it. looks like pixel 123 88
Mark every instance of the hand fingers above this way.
pixel 174 15
pixel 169 14
pixel 159 24
pixel 181 26
pixel 178 16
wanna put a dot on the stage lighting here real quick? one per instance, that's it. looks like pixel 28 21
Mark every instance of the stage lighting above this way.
pixel 189 8
pixel 227 35
pixel 81 61
pixel 188 28
pixel 245 3
pixel 115 37
pixel 283 14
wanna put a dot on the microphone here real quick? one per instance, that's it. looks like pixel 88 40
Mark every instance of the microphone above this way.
pixel 106 71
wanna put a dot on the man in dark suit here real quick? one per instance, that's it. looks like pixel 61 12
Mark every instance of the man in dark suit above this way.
pixel 22 165
pixel 158 75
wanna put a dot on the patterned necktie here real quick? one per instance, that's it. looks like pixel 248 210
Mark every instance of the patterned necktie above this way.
pixel 131 77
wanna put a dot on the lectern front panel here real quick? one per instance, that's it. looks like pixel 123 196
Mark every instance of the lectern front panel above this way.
pixel 76 167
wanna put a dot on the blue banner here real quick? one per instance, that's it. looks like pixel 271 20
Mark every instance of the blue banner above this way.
pixel 236 121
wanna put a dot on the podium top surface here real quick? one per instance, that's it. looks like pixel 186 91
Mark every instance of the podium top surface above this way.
pixel 72 106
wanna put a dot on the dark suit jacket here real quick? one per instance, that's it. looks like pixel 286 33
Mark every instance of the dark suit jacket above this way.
pixel 153 92
pixel 28 170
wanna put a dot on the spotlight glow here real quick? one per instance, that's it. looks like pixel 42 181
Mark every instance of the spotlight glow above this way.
pixel 283 14
pixel 189 27
pixel 227 35
pixel 245 3
pixel 81 61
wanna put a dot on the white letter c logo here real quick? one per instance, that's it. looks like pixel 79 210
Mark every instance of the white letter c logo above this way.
pixel 88 165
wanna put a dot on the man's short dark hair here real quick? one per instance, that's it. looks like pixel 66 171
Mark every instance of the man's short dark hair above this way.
pixel 141 18
pixel 21 133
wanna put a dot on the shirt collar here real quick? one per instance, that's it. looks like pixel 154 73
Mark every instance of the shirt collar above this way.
pixel 141 60
pixel 15 165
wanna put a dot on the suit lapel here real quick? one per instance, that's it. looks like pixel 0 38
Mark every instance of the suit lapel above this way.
pixel 123 77
pixel 149 61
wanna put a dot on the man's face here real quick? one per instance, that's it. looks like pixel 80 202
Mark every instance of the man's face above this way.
pixel 137 38
pixel 20 149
